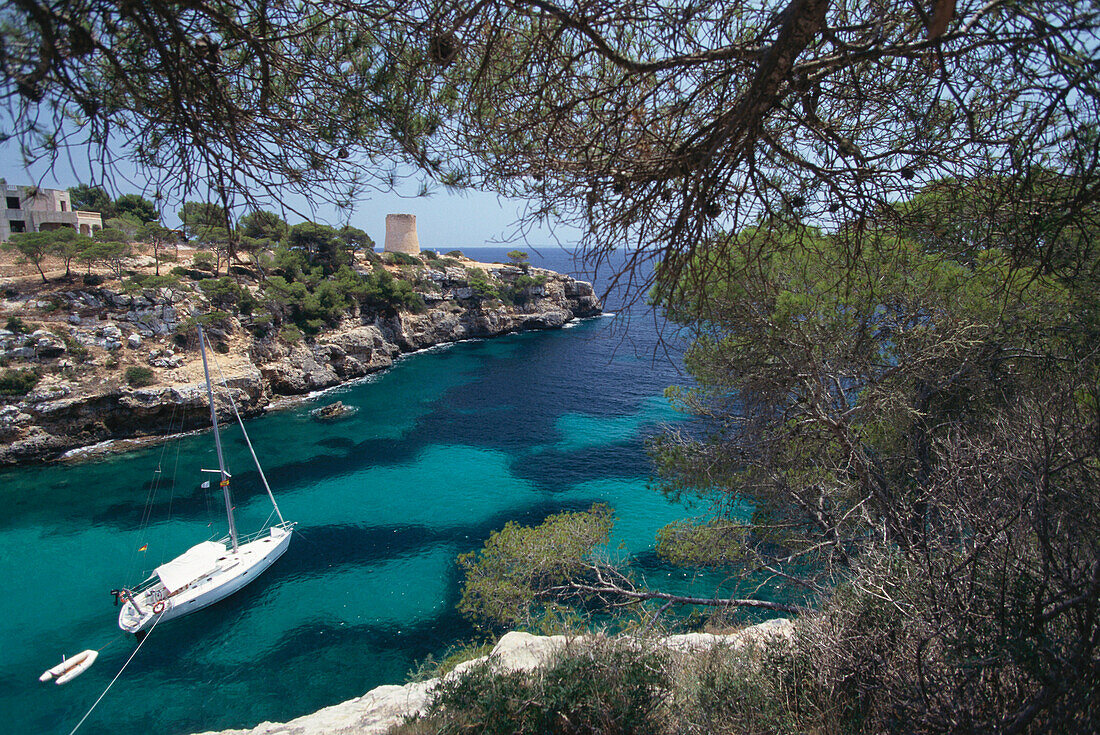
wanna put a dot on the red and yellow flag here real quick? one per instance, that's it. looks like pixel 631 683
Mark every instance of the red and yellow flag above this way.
pixel 144 547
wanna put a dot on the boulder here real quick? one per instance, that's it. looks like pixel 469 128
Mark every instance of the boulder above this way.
pixel 133 341
pixel 47 344
pixel 548 319
pixel 333 411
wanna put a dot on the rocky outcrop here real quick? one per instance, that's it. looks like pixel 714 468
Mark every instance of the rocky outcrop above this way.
pixel 333 411
pixel 386 706
pixel 83 396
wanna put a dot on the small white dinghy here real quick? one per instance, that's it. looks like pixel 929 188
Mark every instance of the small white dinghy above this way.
pixel 70 668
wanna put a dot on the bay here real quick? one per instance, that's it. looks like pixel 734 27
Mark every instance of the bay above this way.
pixel 446 447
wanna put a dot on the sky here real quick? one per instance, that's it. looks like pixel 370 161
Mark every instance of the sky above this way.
pixel 444 221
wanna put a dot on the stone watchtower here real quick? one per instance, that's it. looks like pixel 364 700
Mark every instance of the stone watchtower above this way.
pixel 401 234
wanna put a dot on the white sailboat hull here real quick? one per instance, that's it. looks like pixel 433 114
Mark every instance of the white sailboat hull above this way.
pixel 229 573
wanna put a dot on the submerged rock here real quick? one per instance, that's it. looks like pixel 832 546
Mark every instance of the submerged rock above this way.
pixel 333 411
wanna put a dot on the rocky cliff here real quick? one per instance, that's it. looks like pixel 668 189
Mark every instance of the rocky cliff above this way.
pixel 103 364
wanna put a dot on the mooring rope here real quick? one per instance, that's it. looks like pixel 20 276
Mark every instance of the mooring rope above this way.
pixel 101 696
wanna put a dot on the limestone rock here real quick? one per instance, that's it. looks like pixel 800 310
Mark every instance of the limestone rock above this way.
pixel 384 707
pixel 333 411
pixel 548 319
pixel 47 344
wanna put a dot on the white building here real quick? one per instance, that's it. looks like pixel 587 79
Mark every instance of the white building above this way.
pixel 31 209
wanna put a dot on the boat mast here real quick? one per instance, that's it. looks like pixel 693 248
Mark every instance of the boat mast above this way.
pixel 218 444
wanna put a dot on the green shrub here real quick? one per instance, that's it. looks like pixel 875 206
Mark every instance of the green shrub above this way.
pixel 729 691
pixel 17 382
pixel 17 325
pixel 455 254
pixel 92 279
pixel 594 688
pixel 139 377
pixel 111 362
pixel 479 282
pixel 203 260
pixel 260 325
pixel 290 334
pixel 142 282
pixel 429 668
pixel 400 259
pixel 226 293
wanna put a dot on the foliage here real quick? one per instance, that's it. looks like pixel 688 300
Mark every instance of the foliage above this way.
pixel 138 376
pixel 400 259
pixel 186 334
pixel 114 234
pixel 17 382
pixel 130 229
pixel 262 225
pixel 17 325
pixel 594 688
pixel 136 207
pixel 225 293
pixel 518 258
pixel 110 252
pixel 32 246
pixel 202 219
pixel 505 580
pixel 290 334
pixel 767 688
pixel 92 199
pixel 454 254
pixel 479 282
pixel 141 282
pixel 429 668
pixel 883 416
pixel 68 244
pixel 203 259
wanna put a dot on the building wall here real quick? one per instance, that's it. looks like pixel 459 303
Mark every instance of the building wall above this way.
pixel 30 209
pixel 401 234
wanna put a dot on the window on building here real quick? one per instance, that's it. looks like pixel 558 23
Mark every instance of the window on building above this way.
pixel 64 206
pixel 13 203
pixel 17 225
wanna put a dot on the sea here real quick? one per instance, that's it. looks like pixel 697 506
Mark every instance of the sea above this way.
pixel 446 446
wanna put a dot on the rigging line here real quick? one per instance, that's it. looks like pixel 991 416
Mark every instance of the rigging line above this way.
pixel 101 696
pixel 150 498
pixel 240 421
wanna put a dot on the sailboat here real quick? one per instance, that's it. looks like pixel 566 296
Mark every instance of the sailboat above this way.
pixel 211 570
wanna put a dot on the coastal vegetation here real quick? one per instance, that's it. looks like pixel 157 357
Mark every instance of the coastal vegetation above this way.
pixel 877 221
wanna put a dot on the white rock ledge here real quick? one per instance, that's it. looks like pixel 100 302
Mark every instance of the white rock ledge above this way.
pixel 383 707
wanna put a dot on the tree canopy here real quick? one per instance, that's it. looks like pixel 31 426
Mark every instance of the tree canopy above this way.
pixel 651 125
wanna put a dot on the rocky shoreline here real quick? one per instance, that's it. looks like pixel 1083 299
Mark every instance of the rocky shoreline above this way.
pixel 85 346
pixel 384 707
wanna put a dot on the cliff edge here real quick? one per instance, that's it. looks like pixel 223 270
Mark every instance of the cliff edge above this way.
pixel 385 707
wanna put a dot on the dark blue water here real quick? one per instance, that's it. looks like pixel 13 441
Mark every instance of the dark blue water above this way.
pixel 446 447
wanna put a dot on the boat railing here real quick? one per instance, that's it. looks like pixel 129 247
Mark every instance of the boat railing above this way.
pixel 285 525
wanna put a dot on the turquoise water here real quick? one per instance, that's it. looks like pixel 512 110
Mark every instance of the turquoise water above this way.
pixel 447 446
